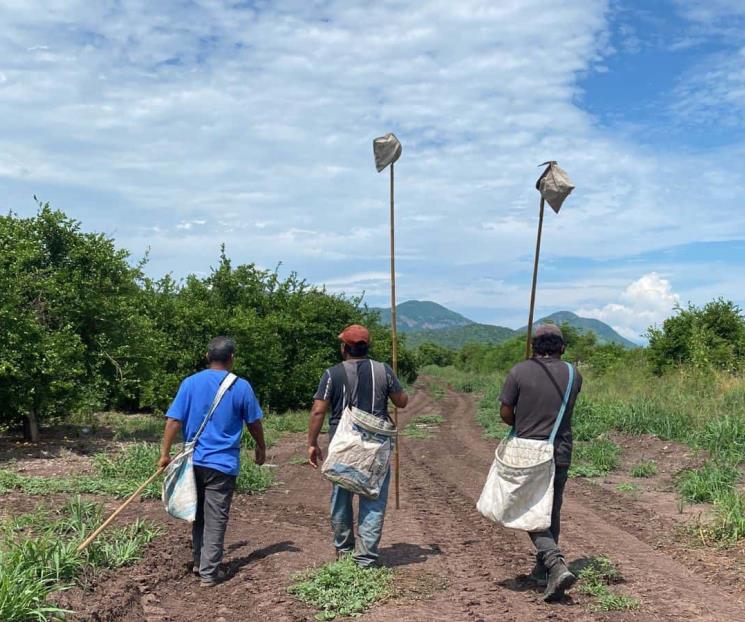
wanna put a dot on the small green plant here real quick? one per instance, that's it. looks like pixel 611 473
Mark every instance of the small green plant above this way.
pixel 428 419
pixel 644 469
pixel 421 426
pixel 595 580
pixel 342 588
pixel 627 487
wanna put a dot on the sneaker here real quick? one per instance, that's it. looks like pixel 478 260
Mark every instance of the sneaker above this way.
pixel 539 575
pixel 219 577
pixel 560 579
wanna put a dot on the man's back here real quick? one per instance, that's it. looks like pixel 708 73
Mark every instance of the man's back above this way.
pixel 535 388
pixel 372 382
pixel 219 446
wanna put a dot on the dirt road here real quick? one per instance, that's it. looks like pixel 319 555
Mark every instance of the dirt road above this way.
pixel 450 564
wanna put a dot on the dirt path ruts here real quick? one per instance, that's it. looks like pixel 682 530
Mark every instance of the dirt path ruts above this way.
pixel 450 563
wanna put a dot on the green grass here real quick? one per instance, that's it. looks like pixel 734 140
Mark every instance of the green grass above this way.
pixel 422 426
pixel 341 588
pixel 627 487
pixel 596 579
pixel 644 469
pixel 709 482
pixel 594 458
pixel 121 472
pixel 38 556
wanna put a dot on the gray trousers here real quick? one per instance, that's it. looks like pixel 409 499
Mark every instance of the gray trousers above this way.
pixel 547 542
pixel 214 494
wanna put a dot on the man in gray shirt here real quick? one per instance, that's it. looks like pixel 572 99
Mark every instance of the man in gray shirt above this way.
pixel 531 398
pixel 372 383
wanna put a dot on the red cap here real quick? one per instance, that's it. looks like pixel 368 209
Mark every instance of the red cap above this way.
pixel 355 334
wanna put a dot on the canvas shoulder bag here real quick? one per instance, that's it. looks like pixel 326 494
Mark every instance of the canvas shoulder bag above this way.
pixel 360 453
pixel 179 484
pixel 519 491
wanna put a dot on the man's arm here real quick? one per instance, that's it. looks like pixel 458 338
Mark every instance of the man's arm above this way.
pixel 317 416
pixel 507 413
pixel 173 427
pixel 256 430
pixel 400 399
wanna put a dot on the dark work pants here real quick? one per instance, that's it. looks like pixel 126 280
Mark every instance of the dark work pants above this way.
pixel 547 542
pixel 214 494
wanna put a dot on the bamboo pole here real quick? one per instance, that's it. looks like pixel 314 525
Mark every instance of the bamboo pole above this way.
pixel 394 337
pixel 535 281
pixel 119 510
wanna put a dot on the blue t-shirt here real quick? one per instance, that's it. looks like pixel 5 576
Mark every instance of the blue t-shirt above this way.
pixel 220 444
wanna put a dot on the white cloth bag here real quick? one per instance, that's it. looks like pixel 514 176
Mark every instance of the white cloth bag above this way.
pixel 360 452
pixel 519 491
pixel 179 485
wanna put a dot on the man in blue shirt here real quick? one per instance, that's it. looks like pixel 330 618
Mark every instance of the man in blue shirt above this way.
pixel 217 453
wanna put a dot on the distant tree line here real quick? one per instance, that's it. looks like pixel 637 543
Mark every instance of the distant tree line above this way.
pixel 708 337
pixel 84 329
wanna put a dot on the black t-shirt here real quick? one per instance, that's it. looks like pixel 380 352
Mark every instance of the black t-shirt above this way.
pixel 371 382
pixel 537 401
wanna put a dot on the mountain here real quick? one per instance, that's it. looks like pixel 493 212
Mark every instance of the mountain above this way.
pixel 426 321
pixel 604 333
pixel 458 336
pixel 418 315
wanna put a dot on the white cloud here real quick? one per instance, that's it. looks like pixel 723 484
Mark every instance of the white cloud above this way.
pixel 645 302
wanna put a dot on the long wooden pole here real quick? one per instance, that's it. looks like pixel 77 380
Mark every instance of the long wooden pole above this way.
pixel 119 510
pixel 535 281
pixel 394 336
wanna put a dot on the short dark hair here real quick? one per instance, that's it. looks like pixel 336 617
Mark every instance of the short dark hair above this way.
pixel 220 349
pixel 547 345
pixel 358 349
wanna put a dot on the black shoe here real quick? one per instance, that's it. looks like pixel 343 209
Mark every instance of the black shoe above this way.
pixel 560 579
pixel 539 575
pixel 214 580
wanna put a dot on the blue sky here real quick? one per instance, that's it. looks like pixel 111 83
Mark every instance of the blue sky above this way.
pixel 176 126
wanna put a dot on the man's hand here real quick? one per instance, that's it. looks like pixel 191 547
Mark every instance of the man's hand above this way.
pixel 315 456
pixel 164 461
pixel 260 455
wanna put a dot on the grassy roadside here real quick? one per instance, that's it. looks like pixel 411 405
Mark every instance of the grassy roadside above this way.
pixel 38 556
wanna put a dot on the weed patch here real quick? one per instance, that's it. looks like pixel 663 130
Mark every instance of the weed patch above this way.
pixel 644 469
pixel 342 588
pixel 596 579
pixel 38 556
pixel 594 458
pixel 707 483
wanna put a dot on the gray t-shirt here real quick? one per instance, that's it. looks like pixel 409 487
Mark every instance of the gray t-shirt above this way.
pixel 371 382
pixel 537 401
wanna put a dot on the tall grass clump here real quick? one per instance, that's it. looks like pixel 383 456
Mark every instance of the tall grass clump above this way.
pixel 38 556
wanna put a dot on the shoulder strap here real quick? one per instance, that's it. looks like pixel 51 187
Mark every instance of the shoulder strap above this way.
pixel 542 365
pixel 348 389
pixel 226 383
pixel 565 401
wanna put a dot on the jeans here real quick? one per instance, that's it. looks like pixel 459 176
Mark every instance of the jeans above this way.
pixel 214 494
pixel 547 542
pixel 370 528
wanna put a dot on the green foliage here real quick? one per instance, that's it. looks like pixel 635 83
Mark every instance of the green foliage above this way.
pixel 84 330
pixel 647 468
pixel 709 482
pixel 120 473
pixel 342 588
pixel 432 354
pixel 595 580
pixel 710 337
pixel 422 426
pixel 38 556
pixel 594 458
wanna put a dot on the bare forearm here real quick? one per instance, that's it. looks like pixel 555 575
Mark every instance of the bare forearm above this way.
pixel 256 430
pixel 172 429
pixel 314 426
pixel 508 414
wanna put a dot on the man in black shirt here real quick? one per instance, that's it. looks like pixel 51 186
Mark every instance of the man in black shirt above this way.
pixel 531 398
pixel 372 384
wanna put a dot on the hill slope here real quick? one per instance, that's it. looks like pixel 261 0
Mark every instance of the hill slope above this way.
pixel 458 336
pixel 418 315
pixel 605 333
